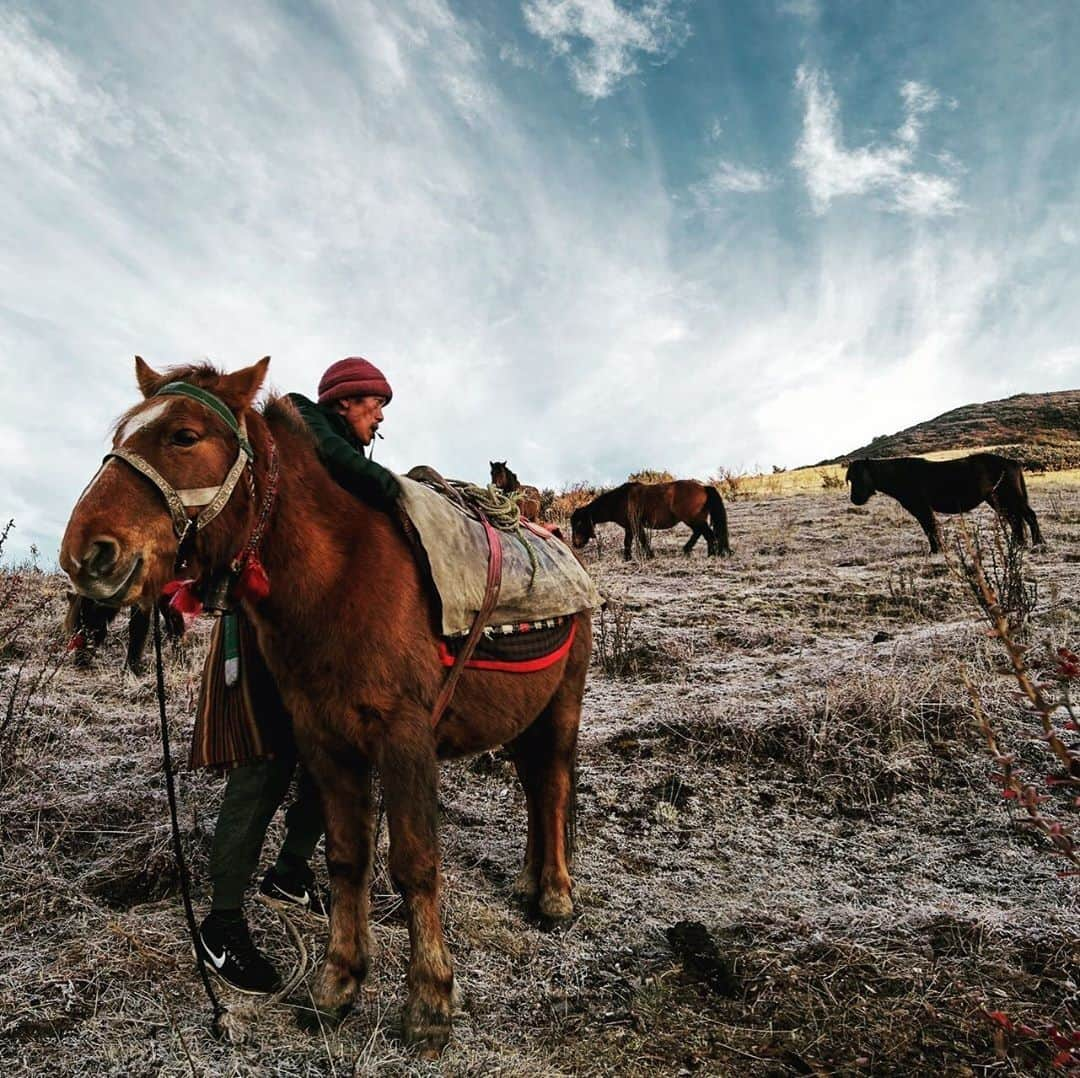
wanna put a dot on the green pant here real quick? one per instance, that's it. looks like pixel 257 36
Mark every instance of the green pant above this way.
pixel 253 794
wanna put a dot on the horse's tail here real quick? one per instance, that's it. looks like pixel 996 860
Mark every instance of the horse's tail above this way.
pixel 718 518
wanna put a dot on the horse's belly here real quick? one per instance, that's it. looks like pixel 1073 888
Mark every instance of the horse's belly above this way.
pixel 491 708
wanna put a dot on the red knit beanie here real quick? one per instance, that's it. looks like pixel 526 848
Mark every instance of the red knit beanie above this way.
pixel 353 377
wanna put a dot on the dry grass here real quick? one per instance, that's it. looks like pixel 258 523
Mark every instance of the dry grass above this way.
pixel 791 857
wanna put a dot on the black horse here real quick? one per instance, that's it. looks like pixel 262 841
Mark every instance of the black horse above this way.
pixel 924 487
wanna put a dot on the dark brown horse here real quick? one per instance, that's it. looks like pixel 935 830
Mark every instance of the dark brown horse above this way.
pixel 87 625
pixel 638 506
pixel 924 487
pixel 349 631
pixel 507 481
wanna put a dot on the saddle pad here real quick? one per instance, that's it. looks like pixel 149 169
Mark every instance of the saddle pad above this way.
pixel 457 552
pixel 515 649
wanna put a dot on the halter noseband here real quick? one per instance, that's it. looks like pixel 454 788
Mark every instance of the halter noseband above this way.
pixel 213 499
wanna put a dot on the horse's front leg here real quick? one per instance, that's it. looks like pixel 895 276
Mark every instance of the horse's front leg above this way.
pixel 925 516
pixel 628 544
pixel 409 773
pixel 345 790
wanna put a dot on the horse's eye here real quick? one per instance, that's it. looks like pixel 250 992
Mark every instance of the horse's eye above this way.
pixel 185 436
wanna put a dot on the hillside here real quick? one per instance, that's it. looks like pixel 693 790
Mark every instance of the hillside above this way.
pixel 792 856
pixel 1042 430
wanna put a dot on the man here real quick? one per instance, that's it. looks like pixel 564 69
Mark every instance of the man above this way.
pixel 352 395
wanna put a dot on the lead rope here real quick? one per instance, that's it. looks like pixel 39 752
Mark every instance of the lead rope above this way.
pixel 216 1024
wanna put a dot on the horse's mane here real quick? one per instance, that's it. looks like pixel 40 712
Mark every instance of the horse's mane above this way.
pixel 602 501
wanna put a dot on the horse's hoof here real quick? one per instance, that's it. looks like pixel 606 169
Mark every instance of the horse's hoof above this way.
pixel 427 1028
pixel 525 886
pixel 334 991
pixel 556 906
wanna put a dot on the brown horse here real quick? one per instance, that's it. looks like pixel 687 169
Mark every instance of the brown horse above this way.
pixel 638 506
pixel 924 487
pixel 349 631
pixel 507 481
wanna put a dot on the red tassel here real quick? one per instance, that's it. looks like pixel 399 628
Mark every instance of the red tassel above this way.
pixel 254 584
pixel 77 642
pixel 182 600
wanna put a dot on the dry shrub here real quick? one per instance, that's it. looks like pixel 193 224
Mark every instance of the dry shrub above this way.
pixel 651 475
pixel 831 480
pixel 729 482
pixel 562 505
pixel 613 644
pixel 30 650
pixel 1000 560
pixel 859 741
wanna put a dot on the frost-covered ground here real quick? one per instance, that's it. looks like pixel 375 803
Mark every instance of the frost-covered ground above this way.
pixel 791 859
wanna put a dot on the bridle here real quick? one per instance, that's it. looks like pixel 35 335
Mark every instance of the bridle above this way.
pixel 211 500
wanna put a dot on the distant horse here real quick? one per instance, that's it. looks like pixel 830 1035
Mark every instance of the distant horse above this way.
pixel 507 481
pixel 924 487
pixel 86 625
pixel 638 506
pixel 348 623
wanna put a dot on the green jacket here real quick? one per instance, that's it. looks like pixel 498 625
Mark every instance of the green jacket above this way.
pixel 344 456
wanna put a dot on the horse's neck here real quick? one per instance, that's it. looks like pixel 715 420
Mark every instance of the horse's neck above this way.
pixel 606 508
pixel 321 542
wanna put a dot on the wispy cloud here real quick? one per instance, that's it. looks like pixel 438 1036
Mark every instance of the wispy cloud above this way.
pixel 804 9
pixel 887 171
pixel 51 109
pixel 613 37
pixel 727 177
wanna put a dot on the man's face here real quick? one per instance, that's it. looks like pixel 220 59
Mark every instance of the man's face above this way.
pixel 363 414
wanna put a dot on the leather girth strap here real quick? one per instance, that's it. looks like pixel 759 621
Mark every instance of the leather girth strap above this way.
pixel 491 598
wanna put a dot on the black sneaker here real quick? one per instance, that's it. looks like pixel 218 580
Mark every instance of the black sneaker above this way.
pixel 295 891
pixel 228 950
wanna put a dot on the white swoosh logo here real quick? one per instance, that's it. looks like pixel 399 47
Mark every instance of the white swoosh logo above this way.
pixel 296 899
pixel 218 962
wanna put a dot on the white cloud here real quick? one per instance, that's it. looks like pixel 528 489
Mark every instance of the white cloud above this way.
pixel 614 37
pixel 727 177
pixel 832 171
pixel 511 54
pixel 804 9
pixel 48 105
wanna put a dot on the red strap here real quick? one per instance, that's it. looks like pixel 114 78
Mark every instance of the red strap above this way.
pixel 491 597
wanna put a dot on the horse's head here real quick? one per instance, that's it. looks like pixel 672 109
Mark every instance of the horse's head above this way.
pixel 582 528
pixel 177 457
pixel 861 478
pixel 498 472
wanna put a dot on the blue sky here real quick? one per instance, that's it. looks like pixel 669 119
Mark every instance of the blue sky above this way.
pixel 587 236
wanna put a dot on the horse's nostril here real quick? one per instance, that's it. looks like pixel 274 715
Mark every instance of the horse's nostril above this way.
pixel 101 557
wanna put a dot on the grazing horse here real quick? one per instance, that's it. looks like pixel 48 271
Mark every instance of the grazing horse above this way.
pixel 87 624
pixel 507 481
pixel 637 506
pixel 348 622
pixel 924 487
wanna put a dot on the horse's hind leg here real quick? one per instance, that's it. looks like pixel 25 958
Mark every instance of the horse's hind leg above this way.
pixel 695 534
pixel 628 544
pixel 545 757
pixel 345 791
pixel 1033 525
pixel 409 774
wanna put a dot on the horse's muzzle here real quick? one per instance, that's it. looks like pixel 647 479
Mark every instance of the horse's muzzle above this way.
pixel 99 574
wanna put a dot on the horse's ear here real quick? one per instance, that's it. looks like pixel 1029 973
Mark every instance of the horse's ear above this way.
pixel 149 380
pixel 238 389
